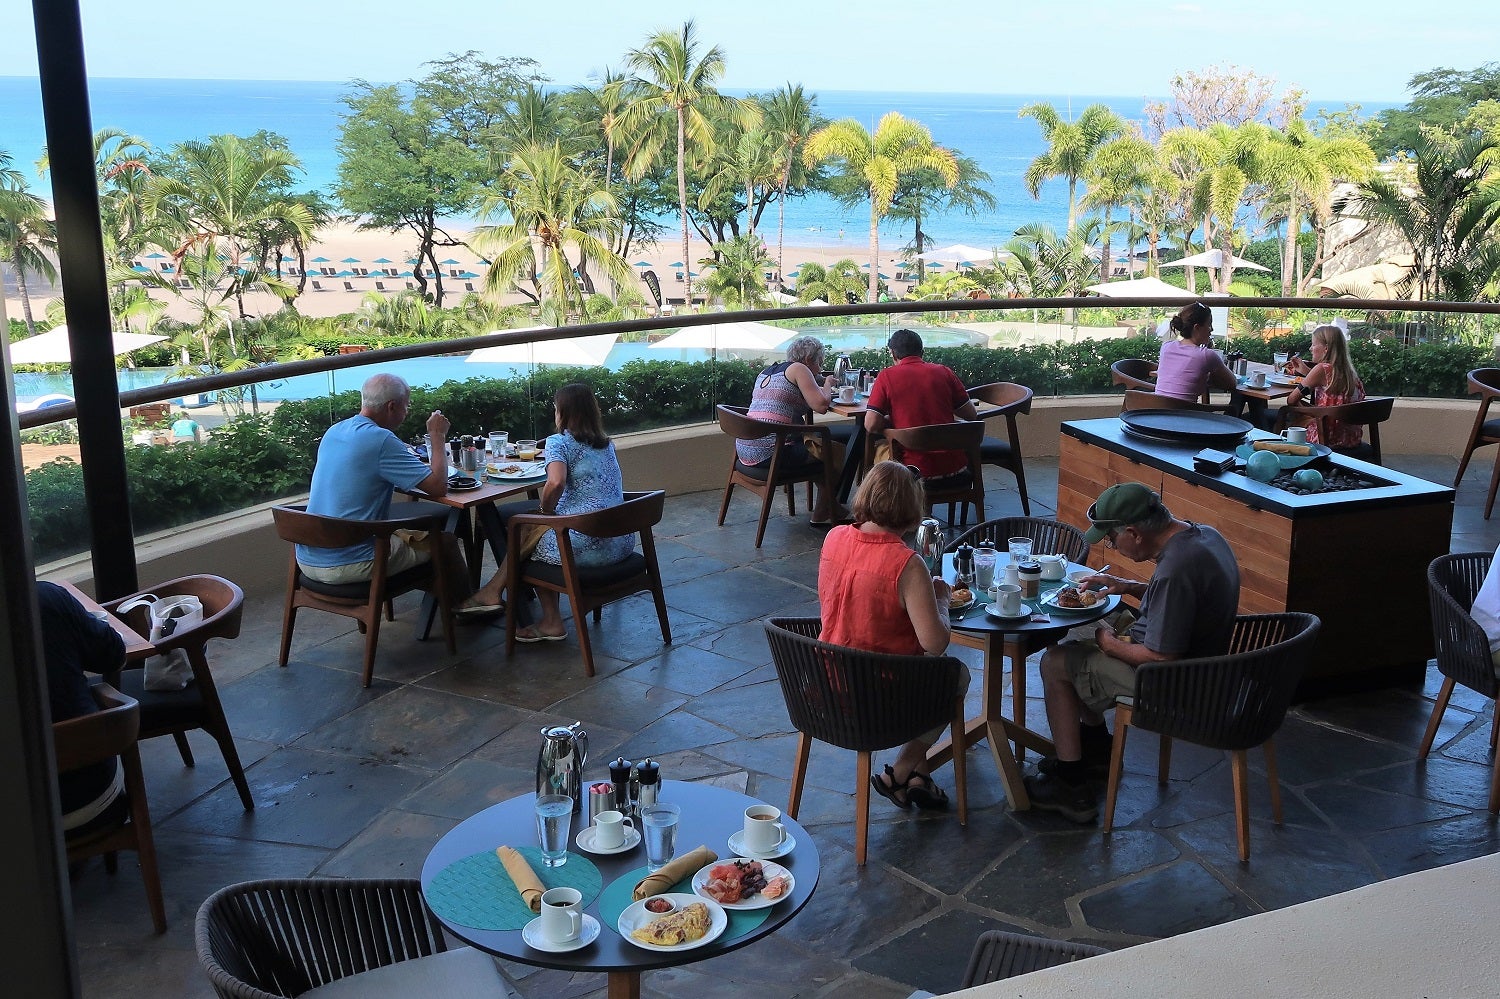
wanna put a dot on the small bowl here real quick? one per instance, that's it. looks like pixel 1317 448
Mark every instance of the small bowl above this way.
pixel 1078 575
pixel 660 906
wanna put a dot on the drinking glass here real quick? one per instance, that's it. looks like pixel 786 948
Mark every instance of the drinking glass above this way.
pixel 499 441
pixel 1020 550
pixel 659 822
pixel 984 565
pixel 1279 358
pixel 526 450
pixel 554 821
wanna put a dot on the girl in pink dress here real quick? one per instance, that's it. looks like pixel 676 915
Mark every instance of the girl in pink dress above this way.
pixel 1329 381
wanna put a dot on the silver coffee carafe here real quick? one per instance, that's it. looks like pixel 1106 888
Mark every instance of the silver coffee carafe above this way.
pixel 929 544
pixel 559 764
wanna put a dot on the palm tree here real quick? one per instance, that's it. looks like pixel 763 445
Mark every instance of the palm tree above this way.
pixel 1119 173
pixel 737 278
pixel 1071 146
pixel 1225 162
pixel 677 82
pixel 553 206
pixel 1447 208
pixel 28 237
pixel 1056 266
pixel 835 284
pixel 1307 168
pixel 872 165
pixel 408 314
pixel 923 193
pixel 791 116
pixel 604 107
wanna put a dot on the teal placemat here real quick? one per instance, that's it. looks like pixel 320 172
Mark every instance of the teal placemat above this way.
pixel 619 895
pixel 476 891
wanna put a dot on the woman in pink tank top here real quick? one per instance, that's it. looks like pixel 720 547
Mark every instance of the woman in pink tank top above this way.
pixel 876 594
pixel 1187 366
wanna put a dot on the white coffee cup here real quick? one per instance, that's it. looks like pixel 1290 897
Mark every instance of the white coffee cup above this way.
pixel 609 829
pixel 846 394
pixel 1295 435
pixel 1257 379
pixel 562 914
pixel 1008 599
pixel 763 834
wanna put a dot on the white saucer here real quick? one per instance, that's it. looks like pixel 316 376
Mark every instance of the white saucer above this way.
pixel 587 934
pixel 737 845
pixel 585 842
pixel 993 610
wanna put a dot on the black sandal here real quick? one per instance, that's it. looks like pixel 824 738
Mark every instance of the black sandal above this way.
pixel 890 791
pixel 926 795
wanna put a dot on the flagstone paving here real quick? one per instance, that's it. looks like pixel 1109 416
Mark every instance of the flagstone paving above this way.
pixel 359 783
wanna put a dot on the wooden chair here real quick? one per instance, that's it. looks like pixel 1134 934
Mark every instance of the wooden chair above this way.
pixel 780 471
pixel 263 939
pixel 590 587
pixel 1370 413
pixel 1012 400
pixel 1485 383
pixel 1234 702
pixel 176 712
pixel 361 601
pixel 1138 399
pixel 862 701
pixel 96 738
pixel 1463 649
pixel 999 954
pixel 1134 373
pixel 963 435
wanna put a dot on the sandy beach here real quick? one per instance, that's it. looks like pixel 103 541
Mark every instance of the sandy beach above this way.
pixel 346 248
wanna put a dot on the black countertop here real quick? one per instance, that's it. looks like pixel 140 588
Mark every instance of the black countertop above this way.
pixel 1397 488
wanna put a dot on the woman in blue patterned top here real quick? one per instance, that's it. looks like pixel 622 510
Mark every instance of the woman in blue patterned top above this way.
pixel 583 475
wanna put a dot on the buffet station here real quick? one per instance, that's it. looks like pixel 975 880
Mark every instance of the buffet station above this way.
pixel 1350 543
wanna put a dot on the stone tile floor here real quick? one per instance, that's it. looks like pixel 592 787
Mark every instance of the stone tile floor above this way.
pixel 359 783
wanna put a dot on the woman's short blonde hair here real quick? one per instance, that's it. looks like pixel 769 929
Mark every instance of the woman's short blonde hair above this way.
pixel 807 350
pixel 890 497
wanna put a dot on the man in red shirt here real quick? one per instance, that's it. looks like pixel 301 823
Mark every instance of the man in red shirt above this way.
pixel 915 393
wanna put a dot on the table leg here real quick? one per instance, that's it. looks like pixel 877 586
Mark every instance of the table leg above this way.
pixel 624 985
pixel 1015 654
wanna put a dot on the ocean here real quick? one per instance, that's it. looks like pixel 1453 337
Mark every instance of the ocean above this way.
pixel 984 127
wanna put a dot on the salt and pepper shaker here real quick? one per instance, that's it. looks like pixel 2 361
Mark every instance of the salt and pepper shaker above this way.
pixel 649 772
pixel 469 454
pixel 619 777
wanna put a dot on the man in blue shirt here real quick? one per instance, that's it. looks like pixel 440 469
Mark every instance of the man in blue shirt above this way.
pixel 360 462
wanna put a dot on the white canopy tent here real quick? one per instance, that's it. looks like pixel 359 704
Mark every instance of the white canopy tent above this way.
pixel 52 347
pixel 1212 258
pixel 581 351
pixel 1146 287
pixel 727 336
pixel 959 253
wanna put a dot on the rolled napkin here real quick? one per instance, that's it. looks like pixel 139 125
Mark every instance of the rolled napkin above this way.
pixel 1282 447
pixel 662 881
pixel 521 873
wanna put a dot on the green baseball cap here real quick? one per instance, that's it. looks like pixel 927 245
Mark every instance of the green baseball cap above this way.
pixel 1118 506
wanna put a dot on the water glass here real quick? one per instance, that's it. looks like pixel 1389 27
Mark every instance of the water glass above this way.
pixel 1279 358
pixel 1020 550
pixel 659 827
pixel 554 821
pixel 499 442
pixel 984 565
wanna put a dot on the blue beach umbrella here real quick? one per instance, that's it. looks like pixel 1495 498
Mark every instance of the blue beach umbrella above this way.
pixel 449 262
pixel 349 260
pixel 288 259
pixel 156 256
pixel 320 260
pixel 675 263
pixel 643 263
pixel 467 275
pixel 792 274
pixel 381 260
pixel 140 267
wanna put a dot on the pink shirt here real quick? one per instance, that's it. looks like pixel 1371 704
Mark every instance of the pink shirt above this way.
pixel 1183 370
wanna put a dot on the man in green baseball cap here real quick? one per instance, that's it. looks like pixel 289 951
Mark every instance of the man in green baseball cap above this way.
pixel 1187 610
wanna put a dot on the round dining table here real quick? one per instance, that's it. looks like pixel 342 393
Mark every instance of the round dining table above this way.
pixel 710 815
pixel 1011 639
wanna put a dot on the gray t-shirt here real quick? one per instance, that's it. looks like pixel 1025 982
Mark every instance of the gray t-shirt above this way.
pixel 1194 594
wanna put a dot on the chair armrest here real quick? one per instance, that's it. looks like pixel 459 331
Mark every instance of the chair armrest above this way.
pixel 99 736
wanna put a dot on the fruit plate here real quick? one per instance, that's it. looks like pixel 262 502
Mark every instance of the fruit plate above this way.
pixel 757 901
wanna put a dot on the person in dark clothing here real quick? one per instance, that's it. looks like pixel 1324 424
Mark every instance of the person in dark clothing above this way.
pixel 75 644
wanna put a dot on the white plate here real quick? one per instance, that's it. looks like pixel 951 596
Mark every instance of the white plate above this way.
pixel 993 610
pixel 960 608
pixel 1282 380
pixel 585 842
pixel 737 847
pixel 769 869
pixel 637 915
pixel 529 470
pixel 1050 602
pixel 587 934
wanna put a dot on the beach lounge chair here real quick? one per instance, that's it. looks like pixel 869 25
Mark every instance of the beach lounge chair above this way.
pixel 318 286
pixel 468 286
pixel 349 286
pixel 380 286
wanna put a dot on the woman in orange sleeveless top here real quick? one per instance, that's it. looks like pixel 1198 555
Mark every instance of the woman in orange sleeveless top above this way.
pixel 876 594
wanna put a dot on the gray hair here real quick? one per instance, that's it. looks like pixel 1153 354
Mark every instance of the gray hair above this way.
pixel 379 390
pixel 805 350
pixel 1158 518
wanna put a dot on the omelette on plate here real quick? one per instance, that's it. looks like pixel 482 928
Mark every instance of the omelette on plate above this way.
pixel 683 926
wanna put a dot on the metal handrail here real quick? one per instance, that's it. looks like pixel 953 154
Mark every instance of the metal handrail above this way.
pixel 249 376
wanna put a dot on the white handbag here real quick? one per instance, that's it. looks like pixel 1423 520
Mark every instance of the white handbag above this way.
pixel 169 616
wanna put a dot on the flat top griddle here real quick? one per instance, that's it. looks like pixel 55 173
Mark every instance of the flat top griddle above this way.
pixel 1180 426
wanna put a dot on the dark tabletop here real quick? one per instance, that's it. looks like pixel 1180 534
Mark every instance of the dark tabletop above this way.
pixel 709 816
pixel 977 619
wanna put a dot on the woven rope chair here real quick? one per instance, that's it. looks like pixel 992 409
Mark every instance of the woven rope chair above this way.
pixel 1233 702
pixel 999 954
pixel 1463 649
pixel 862 701
pixel 1048 537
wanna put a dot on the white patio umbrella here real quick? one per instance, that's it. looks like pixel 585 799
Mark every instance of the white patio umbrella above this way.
pixel 782 298
pixel 958 253
pixel 579 351
pixel 52 347
pixel 1212 258
pixel 727 336
pixel 1146 287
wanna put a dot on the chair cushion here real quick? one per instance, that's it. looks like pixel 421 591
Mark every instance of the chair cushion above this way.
pixel 590 575
pixel 1491 428
pixel 460 972
pixel 399 583
pixel 1364 451
pixel 163 709
pixel 994 451
pixel 842 432
pixel 788 469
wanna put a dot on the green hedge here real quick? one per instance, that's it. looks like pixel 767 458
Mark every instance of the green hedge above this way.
pixel 258 458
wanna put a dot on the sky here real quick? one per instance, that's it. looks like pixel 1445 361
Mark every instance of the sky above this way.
pixel 1331 49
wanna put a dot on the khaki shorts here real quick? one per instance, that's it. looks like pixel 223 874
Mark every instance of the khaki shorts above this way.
pixel 1099 678
pixel 408 549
